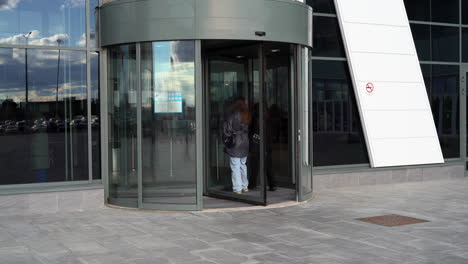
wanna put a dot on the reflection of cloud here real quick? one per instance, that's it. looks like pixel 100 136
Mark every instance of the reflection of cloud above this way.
pixel 72 3
pixel 35 40
pixel 82 41
pixel 8 4
pixel 42 68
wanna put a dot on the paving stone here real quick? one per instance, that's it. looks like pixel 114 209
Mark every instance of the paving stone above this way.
pixel 321 231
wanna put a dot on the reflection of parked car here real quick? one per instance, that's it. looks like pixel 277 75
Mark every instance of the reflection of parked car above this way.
pixel 11 129
pixel 21 125
pixel 79 122
pixel 94 121
pixel 61 125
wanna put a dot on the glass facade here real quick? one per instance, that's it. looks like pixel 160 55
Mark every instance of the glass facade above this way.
pixel 338 138
pixel 48 73
pixel 436 29
pixel 50 126
pixel 47 21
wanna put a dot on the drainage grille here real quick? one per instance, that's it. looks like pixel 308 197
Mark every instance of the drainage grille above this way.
pixel 392 220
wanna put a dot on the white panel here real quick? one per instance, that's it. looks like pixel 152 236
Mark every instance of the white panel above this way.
pixel 405 120
pixel 386 68
pixel 389 86
pixel 369 38
pixel 380 12
pixel 388 95
pixel 411 151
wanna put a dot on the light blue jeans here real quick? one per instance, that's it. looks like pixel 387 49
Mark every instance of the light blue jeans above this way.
pixel 239 174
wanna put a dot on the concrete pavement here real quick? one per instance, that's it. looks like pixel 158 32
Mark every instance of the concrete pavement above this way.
pixel 321 231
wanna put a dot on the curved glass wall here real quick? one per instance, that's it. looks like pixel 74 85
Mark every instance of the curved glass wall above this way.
pixel 168 122
pixel 122 118
pixel 152 125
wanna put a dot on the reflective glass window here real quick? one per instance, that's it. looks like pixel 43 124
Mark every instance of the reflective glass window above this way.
pixel 168 122
pixel 43 125
pixel 465 44
pixel 338 137
pixel 327 38
pixel 465 12
pixel 92 23
pixel 419 10
pixel 444 99
pixel 95 121
pixel 122 119
pixel 445 11
pixel 322 6
pixel 445 43
pixel 422 39
pixel 49 22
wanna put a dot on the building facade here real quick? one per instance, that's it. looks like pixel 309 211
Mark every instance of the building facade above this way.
pixel 124 101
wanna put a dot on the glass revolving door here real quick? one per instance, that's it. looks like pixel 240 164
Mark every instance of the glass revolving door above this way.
pixel 152 113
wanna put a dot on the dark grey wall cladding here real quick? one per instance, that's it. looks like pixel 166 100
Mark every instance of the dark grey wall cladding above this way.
pixel 153 20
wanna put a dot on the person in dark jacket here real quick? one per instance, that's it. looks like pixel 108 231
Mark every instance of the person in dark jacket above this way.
pixel 236 144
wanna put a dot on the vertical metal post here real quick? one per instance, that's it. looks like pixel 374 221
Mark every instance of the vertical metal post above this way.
pixel 89 98
pixel 200 147
pixel 261 110
pixel 139 127
pixel 462 93
pixel 104 122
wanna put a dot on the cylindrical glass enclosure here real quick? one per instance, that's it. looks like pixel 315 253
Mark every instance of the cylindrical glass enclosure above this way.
pixel 152 125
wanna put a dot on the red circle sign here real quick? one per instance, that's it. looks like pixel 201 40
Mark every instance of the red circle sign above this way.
pixel 370 87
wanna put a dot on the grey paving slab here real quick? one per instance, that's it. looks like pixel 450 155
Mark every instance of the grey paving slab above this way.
pixel 323 231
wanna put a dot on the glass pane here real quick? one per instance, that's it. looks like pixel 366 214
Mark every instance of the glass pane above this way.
pixel 322 6
pixel 465 12
pixel 422 39
pixel 43 126
pixel 445 11
pixel 444 98
pixel 465 44
pixel 418 10
pixel 327 38
pixel 49 22
pixel 168 122
pixel 445 43
pixel 95 116
pixel 122 103
pixel 92 23
pixel 279 61
pixel 233 81
pixel 337 125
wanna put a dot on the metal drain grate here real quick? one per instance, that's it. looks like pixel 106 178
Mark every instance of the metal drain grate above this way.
pixel 392 220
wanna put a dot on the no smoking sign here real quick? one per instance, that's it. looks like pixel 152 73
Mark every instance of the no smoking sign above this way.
pixel 370 88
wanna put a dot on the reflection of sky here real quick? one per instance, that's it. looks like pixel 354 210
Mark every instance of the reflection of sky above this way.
pixel 42 69
pixel 174 68
pixel 48 20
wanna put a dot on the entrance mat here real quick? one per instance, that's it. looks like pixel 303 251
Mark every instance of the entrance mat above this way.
pixel 392 220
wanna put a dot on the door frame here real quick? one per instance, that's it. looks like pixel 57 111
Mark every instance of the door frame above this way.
pixel 463 115
pixel 206 162
pixel 303 129
pixel 300 157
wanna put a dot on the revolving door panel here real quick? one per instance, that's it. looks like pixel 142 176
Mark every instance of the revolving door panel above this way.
pixel 233 77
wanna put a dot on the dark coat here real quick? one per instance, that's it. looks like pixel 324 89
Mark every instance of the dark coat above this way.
pixel 233 127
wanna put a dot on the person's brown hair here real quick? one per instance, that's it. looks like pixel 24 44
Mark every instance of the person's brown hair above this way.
pixel 241 106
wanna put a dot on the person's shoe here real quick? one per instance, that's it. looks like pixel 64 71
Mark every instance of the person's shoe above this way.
pixel 273 188
pixel 245 190
pixel 237 192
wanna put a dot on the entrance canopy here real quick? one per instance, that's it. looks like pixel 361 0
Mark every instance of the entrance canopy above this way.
pixel 156 20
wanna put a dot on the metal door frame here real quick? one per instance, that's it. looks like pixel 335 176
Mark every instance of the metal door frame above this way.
pixel 226 196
